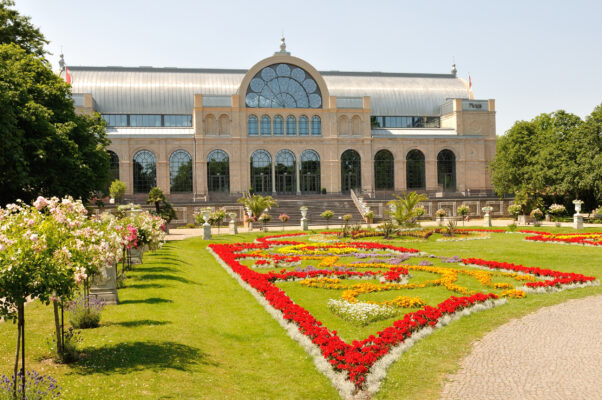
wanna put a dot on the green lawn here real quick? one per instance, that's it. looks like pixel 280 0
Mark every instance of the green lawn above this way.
pixel 185 329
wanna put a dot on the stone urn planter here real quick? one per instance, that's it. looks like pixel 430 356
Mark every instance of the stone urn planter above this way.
pixel 105 286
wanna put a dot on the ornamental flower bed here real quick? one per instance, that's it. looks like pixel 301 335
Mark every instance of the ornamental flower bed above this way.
pixel 356 367
pixel 585 239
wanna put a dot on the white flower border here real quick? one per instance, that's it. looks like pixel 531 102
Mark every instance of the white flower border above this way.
pixel 378 371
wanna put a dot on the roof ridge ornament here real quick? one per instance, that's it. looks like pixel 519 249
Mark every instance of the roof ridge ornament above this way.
pixel 282 51
pixel 454 71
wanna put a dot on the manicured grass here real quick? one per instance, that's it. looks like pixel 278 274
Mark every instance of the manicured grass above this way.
pixel 186 329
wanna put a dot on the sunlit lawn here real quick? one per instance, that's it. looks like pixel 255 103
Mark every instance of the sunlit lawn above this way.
pixel 185 329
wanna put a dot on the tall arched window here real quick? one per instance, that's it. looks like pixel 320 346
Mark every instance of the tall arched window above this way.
pixel 303 126
pixel 145 171
pixel 316 126
pixel 285 172
pixel 261 171
pixel 252 128
pixel 224 124
pixel 218 171
pixel 278 126
pixel 384 170
pixel 310 172
pixel 351 170
pixel 415 170
pixel 113 165
pixel 446 170
pixel 343 125
pixel 283 86
pixel 266 125
pixel 291 125
pixel 180 172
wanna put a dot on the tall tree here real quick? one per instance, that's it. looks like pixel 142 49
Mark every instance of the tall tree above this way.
pixel 557 155
pixel 45 148
pixel 16 28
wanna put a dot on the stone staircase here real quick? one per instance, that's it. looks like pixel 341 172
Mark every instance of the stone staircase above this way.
pixel 340 205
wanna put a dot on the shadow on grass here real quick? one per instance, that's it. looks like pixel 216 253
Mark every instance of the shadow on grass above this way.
pixel 146 286
pixel 138 322
pixel 151 300
pixel 135 356
pixel 151 277
pixel 160 267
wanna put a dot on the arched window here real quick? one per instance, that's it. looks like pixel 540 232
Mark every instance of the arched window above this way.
pixel 278 126
pixel 261 171
pixel 180 172
pixel 113 165
pixel 291 126
pixel 351 171
pixel 303 126
pixel 316 126
pixel 266 125
pixel 446 170
pixel 415 171
pixel 285 172
pixel 218 171
pixel 252 128
pixel 145 171
pixel 283 86
pixel 310 172
pixel 384 170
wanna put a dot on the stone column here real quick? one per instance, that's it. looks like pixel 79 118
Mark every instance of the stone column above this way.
pixel 273 177
pixel 298 180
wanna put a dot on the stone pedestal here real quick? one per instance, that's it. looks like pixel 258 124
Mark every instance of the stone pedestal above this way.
pixel 135 255
pixel 304 224
pixel 440 221
pixel 578 221
pixel 105 288
pixel 487 219
pixel 233 227
pixel 206 231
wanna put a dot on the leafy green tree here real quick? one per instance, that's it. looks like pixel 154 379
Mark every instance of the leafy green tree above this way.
pixel 45 148
pixel 117 190
pixel 258 204
pixel 16 28
pixel 406 209
pixel 163 208
pixel 556 156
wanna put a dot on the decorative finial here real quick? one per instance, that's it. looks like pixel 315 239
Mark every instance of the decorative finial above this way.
pixel 62 62
pixel 282 51
pixel 454 70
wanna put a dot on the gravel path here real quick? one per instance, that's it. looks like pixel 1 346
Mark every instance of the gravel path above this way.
pixel 554 353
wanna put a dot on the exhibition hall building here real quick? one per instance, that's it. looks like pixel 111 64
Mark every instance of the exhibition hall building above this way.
pixel 284 128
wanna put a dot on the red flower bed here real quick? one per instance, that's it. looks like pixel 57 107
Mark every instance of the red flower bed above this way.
pixel 560 278
pixel 570 238
pixel 356 358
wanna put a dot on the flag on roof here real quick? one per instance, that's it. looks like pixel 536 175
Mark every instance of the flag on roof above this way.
pixel 67 75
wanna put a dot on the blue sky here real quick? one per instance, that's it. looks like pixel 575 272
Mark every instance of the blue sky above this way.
pixel 531 56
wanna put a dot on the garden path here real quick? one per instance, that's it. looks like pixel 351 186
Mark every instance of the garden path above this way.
pixel 553 353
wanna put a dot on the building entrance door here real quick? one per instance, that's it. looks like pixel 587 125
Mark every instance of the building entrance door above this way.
pixel 218 183
pixel 310 183
pixel 285 183
pixel 262 184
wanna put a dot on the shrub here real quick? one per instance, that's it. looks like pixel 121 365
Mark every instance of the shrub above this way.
pixel 515 210
pixel 463 210
pixel 536 214
pixel 85 313
pixel 117 190
pixel 388 228
pixel 70 352
pixel 440 213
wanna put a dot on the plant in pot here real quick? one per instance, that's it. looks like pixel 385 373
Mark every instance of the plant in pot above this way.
pixel 440 214
pixel 557 211
pixel 369 217
pixel 515 210
pixel 463 210
pixel 284 219
pixel 537 215
pixel 327 215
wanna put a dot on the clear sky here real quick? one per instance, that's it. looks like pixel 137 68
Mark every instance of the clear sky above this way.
pixel 531 56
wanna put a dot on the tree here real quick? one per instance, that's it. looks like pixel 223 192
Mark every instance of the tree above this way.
pixel 405 209
pixel 16 28
pixel 117 190
pixel 258 204
pixel 45 148
pixel 556 156
pixel 163 208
